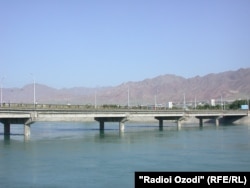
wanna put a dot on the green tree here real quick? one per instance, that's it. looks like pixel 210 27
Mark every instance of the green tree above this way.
pixel 237 104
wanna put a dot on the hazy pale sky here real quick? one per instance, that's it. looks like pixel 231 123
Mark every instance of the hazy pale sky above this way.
pixel 67 43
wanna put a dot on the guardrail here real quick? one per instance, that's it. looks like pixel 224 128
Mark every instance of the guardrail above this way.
pixel 109 108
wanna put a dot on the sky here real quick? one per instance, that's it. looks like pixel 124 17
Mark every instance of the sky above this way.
pixel 94 43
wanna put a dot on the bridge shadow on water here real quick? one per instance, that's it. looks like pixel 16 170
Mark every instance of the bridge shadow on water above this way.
pixel 7 138
pixel 11 134
pixel 109 134
pixel 84 129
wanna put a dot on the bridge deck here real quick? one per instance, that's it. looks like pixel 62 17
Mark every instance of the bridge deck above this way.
pixel 49 115
pixel 28 116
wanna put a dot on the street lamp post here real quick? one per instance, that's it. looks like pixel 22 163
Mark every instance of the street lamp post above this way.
pixel 184 101
pixel 34 90
pixel 156 93
pixel 95 100
pixel 195 103
pixel 128 97
pixel 222 106
pixel 2 91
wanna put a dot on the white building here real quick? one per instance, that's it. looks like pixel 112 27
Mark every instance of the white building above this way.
pixel 212 102
pixel 170 105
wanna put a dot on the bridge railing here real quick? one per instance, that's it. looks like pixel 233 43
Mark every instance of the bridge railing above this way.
pixel 80 107
pixel 107 108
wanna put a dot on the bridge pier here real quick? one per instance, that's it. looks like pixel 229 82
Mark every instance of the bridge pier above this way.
pixel 8 121
pixel 200 122
pixel 121 126
pixel 217 122
pixel 121 121
pixel 101 125
pixel 178 124
pixel 177 118
pixel 216 118
pixel 7 128
pixel 160 123
pixel 27 130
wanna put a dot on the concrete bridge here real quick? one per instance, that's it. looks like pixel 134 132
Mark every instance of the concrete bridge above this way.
pixel 27 117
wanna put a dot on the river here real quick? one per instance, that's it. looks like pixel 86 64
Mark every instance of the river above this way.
pixel 79 155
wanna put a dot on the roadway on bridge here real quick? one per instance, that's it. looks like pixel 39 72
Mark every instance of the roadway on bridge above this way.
pixel 28 116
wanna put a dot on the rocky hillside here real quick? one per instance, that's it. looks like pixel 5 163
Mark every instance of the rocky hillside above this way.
pixel 229 85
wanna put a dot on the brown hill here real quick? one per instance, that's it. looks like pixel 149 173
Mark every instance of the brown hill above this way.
pixel 228 85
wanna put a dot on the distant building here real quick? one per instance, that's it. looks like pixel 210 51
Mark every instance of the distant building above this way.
pixel 170 105
pixel 212 102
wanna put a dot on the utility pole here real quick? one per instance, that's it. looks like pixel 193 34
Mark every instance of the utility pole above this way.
pixel 195 102
pixel 184 101
pixel 2 91
pixel 128 97
pixel 155 102
pixel 34 90
pixel 95 99
pixel 156 93
pixel 222 107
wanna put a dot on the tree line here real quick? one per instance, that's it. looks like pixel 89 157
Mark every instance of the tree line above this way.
pixel 235 105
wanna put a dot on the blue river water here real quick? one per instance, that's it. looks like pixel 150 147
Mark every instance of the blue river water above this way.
pixel 79 155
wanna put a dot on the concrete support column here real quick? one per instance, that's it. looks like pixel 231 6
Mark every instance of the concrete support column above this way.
pixel 178 124
pixel 217 122
pixel 201 122
pixel 26 130
pixel 101 125
pixel 6 128
pixel 121 126
pixel 160 123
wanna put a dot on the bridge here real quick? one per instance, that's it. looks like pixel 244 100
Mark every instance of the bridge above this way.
pixel 28 116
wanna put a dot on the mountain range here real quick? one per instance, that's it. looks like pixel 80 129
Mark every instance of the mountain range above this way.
pixel 229 85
